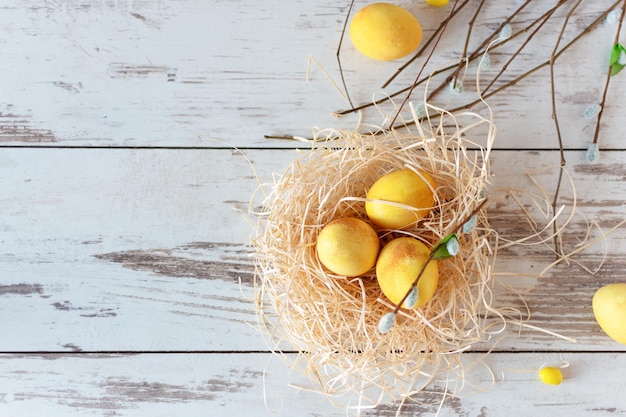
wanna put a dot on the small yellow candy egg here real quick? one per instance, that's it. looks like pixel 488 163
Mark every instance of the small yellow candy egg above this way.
pixel 609 309
pixel 385 32
pixel 437 3
pixel 551 375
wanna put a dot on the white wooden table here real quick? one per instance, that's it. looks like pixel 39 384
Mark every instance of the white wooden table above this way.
pixel 126 279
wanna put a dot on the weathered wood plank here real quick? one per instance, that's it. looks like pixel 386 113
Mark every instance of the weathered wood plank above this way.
pixel 146 249
pixel 62 226
pixel 257 385
pixel 144 252
pixel 158 73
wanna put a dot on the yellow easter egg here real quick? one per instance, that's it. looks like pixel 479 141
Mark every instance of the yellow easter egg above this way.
pixel 437 3
pixel 385 32
pixel 404 187
pixel 348 246
pixel 399 263
pixel 609 309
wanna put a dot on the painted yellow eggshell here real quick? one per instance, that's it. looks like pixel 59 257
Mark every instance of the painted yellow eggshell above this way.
pixel 348 246
pixel 437 3
pixel 385 32
pixel 405 187
pixel 609 308
pixel 399 263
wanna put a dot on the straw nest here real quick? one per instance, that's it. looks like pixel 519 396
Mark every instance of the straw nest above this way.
pixel 332 321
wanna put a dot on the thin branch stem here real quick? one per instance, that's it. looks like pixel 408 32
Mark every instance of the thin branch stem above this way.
pixel 419 74
pixel 419 53
pixel 471 27
pixel 431 255
pixel 338 54
pixel 544 19
pixel 596 133
pixel 557 241
pixel 478 51
pixel 403 90
pixel 531 71
pixel 503 87
pixel 392 95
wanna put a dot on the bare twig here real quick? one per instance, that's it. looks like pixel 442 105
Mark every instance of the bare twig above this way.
pixel 442 70
pixel 544 19
pixel 596 133
pixel 343 32
pixel 471 26
pixel 392 95
pixel 468 36
pixel 540 20
pixel 419 53
pixel 419 74
pixel 557 240
pixel 531 71
pixel 478 51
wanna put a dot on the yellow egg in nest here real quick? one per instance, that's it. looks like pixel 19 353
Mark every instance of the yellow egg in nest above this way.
pixel 385 32
pixel 348 246
pixel 405 187
pixel 399 263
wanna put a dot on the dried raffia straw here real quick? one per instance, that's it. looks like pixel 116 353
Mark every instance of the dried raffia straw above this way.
pixel 332 321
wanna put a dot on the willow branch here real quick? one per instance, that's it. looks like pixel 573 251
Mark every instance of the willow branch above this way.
pixel 419 53
pixel 531 71
pixel 343 32
pixel 471 26
pixel 432 253
pixel 469 60
pixel 557 241
pixel 478 51
pixel 419 74
pixel 544 19
pixel 596 133
pixel 505 86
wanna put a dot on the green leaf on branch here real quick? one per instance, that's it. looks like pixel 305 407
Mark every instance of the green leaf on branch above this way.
pixel 618 58
pixel 446 248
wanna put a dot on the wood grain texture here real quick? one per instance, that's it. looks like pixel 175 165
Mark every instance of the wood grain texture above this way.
pixel 157 258
pixel 200 74
pixel 126 279
pixel 257 385
pixel 63 278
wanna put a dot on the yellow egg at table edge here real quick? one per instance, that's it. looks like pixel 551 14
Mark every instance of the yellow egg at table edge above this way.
pixel 385 31
pixel 401 186
pixel 399 263
pixel 348 246
pixel 609 309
